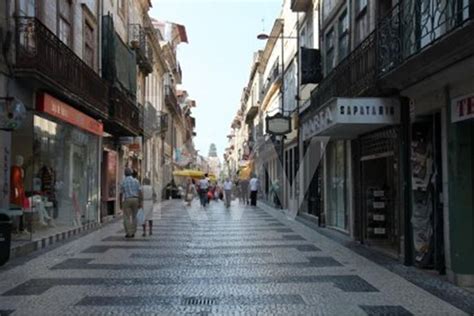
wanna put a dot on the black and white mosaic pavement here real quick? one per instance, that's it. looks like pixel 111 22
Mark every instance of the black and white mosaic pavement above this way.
pixel 216 261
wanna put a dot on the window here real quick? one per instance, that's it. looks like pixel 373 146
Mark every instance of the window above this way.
pixel 328 6
pixel 361 5
pixel 122 8
pixel 329 51
pixel 303 38
pixel 362 21
pixel 306 32
pixel 89 45
pixel 337 184
pixel 343 33
pixel 65 21
pixel 309 31
pixel 26 8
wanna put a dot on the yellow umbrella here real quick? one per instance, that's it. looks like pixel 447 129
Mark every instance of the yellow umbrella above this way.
pixel 195 174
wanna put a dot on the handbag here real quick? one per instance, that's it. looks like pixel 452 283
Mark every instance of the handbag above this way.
pixel 140 217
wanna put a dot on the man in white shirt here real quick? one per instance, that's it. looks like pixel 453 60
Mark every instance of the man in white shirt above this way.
pixel 253 190
pixel 228 191
pixel 203 188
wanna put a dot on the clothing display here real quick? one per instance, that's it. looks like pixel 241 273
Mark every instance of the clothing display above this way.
pixel 17 188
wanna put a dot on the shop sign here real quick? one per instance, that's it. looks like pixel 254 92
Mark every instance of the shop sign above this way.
pixel 462 108
pixel 352 116
pixel 320 121
pixel 48 104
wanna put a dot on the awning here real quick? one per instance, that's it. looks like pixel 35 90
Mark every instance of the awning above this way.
pixel 350 117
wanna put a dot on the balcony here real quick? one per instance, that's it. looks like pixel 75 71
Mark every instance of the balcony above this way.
pixel 354 76
pixel 419 38
pixel 252 112
pixel 300 5
pixel 150 120
pixel 142 48
pixel 171 101
pixel 118 60
pixel 274 77
pixel 163 122
pixel 41 55
pixel 125 115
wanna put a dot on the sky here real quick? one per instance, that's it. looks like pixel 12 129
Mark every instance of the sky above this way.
pixel 216 62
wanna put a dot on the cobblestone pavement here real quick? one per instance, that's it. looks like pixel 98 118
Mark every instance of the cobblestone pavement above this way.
pixel 219 261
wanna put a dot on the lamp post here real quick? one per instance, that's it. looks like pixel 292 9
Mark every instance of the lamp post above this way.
pixel 279 124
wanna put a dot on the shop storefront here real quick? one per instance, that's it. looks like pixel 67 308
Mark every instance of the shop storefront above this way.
pixel 55 168
pixel 359 166
pixel 460 142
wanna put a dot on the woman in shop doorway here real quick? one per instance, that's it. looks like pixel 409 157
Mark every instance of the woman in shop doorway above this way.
pixel 149 200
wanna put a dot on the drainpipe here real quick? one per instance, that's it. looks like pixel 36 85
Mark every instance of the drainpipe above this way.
pixel 298 192
pixel 100 10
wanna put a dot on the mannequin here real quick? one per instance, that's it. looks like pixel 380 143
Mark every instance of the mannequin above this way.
pixel 17 186
pixel 17 189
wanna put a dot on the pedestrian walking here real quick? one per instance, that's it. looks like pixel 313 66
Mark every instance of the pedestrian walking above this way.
pixel 253 184
pixel 228 192
pixel 244 191
pixel 131 201
pixel 203 190
pixel 149 200
pixel 190 191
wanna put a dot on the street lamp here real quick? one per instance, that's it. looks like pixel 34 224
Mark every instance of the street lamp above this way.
pixel 280 124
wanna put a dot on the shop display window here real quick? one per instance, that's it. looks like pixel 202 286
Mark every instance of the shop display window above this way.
pixel 64 189
pixel 337 183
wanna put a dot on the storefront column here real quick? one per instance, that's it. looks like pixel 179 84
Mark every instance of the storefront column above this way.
pixel 405 183
pixel 461 201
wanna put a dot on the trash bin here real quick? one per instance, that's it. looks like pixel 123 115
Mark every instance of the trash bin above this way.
pixel 5 238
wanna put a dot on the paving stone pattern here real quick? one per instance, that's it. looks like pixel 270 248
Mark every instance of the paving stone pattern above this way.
pixel 213 261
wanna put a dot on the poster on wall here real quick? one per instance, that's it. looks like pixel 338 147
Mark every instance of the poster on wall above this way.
pixel 422 177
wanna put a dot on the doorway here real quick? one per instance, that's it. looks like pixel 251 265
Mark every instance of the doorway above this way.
pixel 379 209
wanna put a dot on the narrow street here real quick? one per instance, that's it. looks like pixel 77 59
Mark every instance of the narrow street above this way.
pixel 222 261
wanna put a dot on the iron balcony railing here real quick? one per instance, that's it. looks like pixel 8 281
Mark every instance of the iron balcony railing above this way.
pixel 40 51
pixel 354 76
pixel 412 26
pixel 150 120
pixel 126 113
pixel 273 76
pixel 171 100
pixel 163 122
pixel 140 44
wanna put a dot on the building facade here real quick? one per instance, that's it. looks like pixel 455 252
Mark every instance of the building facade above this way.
pixel 382 129
pixel 394 125
pixel 88 81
